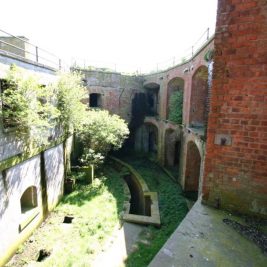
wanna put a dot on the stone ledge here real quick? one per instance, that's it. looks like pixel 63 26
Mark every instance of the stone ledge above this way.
pixel 204 240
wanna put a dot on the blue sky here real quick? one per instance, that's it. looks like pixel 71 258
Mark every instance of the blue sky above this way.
pixel 134 35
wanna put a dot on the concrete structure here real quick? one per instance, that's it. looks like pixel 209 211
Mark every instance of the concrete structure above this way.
pixel 15 46
pixel 31 183
pixel 204 240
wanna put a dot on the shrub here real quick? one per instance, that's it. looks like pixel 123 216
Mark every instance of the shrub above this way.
pixel 103 132
pixel 176 107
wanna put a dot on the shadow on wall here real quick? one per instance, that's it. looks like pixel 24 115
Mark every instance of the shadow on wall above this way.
pixel 146 139
pixel 172 148
pixel 14 183
pixel 192 171
pixel 174 85
pixel 199 96
pixel 54 172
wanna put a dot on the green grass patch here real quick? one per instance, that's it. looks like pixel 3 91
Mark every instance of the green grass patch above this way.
pixel 96 210
pixel 172 205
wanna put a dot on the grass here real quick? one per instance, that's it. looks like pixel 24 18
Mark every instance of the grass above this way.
pixel 172 207
pixel 96 210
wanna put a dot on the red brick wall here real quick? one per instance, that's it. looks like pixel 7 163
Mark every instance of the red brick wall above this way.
pixel 235 174
pixel 193 162
pixel 199 93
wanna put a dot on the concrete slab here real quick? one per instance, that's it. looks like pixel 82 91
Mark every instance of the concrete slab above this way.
pixel 202 239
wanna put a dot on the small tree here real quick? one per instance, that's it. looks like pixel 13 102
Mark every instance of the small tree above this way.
pixel 176 107
pixel 102 132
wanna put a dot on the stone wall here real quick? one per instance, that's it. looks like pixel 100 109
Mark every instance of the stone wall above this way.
pixel 236 156
pixel 14 181
pixel 54 175
pixel 116 90
pixel 45 172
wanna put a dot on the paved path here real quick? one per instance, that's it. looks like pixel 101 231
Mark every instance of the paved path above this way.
pixel 203 240
pixel 119 246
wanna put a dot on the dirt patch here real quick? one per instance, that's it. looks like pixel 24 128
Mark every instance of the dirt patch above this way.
pixel 250 232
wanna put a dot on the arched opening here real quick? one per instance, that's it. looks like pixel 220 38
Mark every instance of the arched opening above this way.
pixel 192 172
pixel 152 99
pixel 95 100
pixel 172 149
pixel 175 93
pixel 28 199
pixel 199 97
pixel 146 139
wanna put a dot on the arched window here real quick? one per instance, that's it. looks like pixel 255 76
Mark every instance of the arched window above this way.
pixel 28 199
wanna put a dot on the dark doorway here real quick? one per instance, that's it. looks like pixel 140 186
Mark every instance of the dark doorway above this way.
pixel 177 148
pixel 95 100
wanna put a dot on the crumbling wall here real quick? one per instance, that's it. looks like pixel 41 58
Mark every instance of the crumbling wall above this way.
pixel 116 90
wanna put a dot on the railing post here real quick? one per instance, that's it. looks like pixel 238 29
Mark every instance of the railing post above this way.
pixel 59 64
pixel 36 53
pixel 208 34
pixel 192 51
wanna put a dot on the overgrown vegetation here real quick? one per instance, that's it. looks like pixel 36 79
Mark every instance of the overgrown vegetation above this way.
pixel 101 133
pixel 176 107
pixel 27 106
pixel 70 93
pixel 96 212
pixel 34 111
pixel 172 207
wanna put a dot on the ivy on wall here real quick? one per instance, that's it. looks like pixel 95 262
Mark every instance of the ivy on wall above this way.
pixel 176 107
pixel 32 110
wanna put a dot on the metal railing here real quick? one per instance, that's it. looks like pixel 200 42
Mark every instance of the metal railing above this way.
pixel 19 47
pixel 184 56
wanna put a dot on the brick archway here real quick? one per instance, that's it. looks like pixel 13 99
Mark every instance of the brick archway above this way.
pixel 192 171
pixel 199 96
pixel 172 148
pixel 174 85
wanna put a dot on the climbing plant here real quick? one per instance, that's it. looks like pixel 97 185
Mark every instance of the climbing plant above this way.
pixel 209 55
pixel 27 107
pixel 176 107
pixel 34 110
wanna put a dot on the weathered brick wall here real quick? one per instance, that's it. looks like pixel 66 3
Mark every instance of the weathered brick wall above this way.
pixel 117 90
pixel 192 171
pixel 235 176
pixel 199 94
